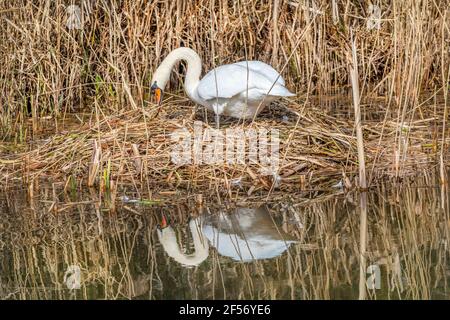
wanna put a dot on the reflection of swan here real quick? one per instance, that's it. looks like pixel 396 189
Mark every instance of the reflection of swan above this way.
pixel 245 235
pixel 168 240
pixel 248 234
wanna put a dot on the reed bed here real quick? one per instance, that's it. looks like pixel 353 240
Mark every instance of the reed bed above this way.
pixel 50 69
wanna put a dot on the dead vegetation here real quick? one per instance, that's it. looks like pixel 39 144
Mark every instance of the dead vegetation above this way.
pixel 102 69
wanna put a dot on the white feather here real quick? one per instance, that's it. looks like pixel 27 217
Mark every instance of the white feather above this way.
pixel 232 79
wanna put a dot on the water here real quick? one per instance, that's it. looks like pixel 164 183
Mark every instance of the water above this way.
pixel 58 247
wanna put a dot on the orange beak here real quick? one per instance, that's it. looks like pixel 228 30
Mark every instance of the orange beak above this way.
pixel 158 96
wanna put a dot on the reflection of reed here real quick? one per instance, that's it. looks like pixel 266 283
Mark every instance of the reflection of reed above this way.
pixel 120 255
pixel 38 246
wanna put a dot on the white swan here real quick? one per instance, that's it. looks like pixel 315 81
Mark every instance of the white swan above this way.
pixel 240 90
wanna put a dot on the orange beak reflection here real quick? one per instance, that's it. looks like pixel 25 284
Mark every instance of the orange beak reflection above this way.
pixel 164 223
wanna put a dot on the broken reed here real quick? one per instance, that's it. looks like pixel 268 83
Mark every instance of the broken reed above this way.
pixel 48 70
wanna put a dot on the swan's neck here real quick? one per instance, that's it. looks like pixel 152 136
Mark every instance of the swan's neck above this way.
pixel 168 239
pixel 194 70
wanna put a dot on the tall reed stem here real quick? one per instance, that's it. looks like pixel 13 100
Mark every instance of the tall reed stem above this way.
pixel 362 172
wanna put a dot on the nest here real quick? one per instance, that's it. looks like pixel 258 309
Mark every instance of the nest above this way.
pixel 317 151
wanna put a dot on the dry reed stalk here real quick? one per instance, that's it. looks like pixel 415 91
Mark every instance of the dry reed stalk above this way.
pixel 446 87
pixel 354 76
pixel 95 164
pixel 137 161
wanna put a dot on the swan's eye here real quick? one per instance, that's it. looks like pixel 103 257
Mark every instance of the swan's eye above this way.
pixel 154 87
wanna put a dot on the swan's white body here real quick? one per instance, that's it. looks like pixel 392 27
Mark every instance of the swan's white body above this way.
pixel 246 235
pixel 240 90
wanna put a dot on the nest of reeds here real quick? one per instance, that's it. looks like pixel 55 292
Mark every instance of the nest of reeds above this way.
pixel 317 151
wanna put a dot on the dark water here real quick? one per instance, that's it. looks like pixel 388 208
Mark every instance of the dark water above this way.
pixel 68 249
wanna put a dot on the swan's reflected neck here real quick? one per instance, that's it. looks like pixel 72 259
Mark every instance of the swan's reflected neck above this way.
pixel 168 240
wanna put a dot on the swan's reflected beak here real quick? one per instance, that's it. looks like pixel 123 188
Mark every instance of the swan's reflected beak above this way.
pixel 157 93
pixel 164 224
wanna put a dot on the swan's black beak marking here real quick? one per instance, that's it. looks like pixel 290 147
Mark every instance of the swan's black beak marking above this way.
pixel 157 93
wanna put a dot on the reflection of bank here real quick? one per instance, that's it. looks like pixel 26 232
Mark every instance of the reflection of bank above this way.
pixel 243 235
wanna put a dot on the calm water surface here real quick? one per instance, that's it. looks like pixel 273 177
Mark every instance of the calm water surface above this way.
pixel 57 247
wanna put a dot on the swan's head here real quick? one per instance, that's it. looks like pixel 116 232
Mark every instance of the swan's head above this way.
pixel 159 81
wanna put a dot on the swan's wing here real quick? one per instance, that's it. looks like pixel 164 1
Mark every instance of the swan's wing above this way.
pixel 264 69
pixel 229 80
pixel 240 247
